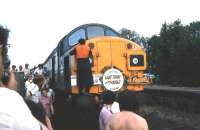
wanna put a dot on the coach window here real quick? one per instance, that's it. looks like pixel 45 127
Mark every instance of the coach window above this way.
pixel 73 39
pixel 95 31
pixel 110 33
pixel 61 48
pixel 65 44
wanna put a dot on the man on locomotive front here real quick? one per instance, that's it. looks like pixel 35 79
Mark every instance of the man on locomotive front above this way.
pixel 84 72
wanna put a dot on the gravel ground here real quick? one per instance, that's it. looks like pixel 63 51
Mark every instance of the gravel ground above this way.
pixel 169 111
pixel 159 118
pixel 70 116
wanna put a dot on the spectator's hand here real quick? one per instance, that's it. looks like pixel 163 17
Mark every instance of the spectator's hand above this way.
pixel 52 112
pixel 28 94
pixel 43 127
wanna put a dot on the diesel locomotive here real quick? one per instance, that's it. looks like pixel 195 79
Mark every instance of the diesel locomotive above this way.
pixel 117 63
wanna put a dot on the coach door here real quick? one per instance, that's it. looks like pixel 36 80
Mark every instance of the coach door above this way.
pixel 67 74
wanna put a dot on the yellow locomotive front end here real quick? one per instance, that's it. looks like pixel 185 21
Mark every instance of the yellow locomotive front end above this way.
pixel 117 64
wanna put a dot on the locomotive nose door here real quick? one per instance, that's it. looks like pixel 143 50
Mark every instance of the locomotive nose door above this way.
pixel 117 50
pixel 111 54
pixel 104 54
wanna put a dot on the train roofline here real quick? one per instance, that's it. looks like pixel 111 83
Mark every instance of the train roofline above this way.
pixel 75 29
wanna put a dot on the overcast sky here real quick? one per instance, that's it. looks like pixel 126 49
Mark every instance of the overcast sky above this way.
pixel 38 25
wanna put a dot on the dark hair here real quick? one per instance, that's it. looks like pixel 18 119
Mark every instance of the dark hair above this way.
pixel 4 34
pixel 13 66
pixel 20 67
pixel 108 97
pixel 128 101
pixel 44 89
pixel 40 65
pixel 26 65
pixel 81 41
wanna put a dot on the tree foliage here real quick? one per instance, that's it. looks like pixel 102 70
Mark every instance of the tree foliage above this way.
pixel 134 36
pixel 175 53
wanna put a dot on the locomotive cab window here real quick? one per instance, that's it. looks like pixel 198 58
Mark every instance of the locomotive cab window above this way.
pixel 110 33
pixel 73 39
pixel 94 31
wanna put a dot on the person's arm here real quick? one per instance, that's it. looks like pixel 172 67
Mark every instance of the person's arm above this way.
pixel 73 52
pixel 48 122
pixel 51 106
pixel 43 127
pixel 106 115
pixel 107 127
pixel 92 58
pixel 90 52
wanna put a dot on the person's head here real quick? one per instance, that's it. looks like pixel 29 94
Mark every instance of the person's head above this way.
pixel 13 67
pixel 30 78
pixel 44 92
pixel 108 97
pixel 81 41
pixel 4 60
pixel 26 66
pixel 20 68
pixel 128 101
pixel 40 66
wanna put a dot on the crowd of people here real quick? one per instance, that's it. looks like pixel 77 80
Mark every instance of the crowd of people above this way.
pixel 14 112
pixel 35 110
pixel 26 69
pixel 38 95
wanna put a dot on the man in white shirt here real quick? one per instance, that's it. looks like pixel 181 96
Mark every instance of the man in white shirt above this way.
pixel 14 113
pixel 32 90
pixel 115 107
pixel 26 70
pixel 39 70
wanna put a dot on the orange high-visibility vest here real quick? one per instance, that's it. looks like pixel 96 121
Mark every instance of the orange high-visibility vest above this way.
pixel 82 51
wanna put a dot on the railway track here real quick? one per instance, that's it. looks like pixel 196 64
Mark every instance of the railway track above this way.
pixel 182 99
pixel 170 108
pixel 173 88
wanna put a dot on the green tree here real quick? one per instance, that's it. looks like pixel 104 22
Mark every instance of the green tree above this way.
pixel 175 53
pixel 134 36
